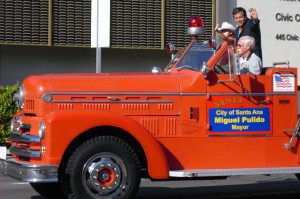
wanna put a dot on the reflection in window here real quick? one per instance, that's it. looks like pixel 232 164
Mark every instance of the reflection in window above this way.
pixel 195 56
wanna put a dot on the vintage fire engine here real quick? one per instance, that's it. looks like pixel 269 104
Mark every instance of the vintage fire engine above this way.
pixel 96 135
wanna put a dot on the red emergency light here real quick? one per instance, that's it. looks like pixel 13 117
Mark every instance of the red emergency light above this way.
pixel 212 42
pixel 170 48
pixel 196 26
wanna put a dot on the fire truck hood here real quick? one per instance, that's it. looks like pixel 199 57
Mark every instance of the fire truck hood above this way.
pixel 102 82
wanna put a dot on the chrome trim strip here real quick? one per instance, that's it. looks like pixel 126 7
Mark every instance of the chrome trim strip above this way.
pixel 17 137
pixel 114 93
pixel 233 172
pixel 193 94
pixel 29 172
pixel 24 125
pixel 26 152
pixel 252 94
pixel 151 94
pixel 170 101
pixel 167 93
pixel 109 101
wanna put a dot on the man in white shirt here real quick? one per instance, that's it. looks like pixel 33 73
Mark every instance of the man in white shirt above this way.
pixel 250 62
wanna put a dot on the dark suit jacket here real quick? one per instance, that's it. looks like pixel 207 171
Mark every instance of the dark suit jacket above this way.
pixel 252 29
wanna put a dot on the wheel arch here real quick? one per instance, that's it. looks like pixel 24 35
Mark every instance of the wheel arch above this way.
pixel 150 152
pixel 108 131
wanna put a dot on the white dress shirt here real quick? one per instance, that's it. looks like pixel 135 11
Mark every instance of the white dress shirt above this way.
pixel 251 65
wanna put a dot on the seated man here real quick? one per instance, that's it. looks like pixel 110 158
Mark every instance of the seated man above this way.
pixel 250 62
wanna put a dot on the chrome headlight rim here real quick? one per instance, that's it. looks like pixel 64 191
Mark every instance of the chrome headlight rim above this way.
pixel 19 97
pixel 42 129
pixel 12 126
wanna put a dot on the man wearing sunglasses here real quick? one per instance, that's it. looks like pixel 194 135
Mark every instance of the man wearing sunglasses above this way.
pixel 250 62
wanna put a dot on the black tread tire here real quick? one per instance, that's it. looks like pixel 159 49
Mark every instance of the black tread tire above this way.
pixel 77 181
pixel 48 190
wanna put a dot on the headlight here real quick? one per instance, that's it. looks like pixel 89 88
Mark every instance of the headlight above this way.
pixel 12 125
pixel 42 129
pixel 19 97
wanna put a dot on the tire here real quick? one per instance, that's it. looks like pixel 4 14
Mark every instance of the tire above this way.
pixel 48 190
pixel 103 167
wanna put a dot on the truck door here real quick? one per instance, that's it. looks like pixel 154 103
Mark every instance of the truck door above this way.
pixel 239 105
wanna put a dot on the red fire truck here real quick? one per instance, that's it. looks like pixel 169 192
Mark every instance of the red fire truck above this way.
pixel 96 135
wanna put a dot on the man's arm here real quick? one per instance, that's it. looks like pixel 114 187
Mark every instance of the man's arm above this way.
pixel 253 15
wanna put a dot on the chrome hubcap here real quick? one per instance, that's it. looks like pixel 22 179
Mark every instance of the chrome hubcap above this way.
pixel 102 175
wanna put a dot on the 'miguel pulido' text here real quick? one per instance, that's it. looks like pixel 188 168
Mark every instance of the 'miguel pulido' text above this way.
pixel 239 118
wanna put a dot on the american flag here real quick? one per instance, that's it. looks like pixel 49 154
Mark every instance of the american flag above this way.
pixel 283 82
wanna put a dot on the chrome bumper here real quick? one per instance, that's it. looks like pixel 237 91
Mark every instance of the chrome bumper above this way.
pixel 28 172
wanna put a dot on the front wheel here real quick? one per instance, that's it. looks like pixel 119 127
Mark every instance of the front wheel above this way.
pixel 103 167
pixel 43 190
pixel 298 176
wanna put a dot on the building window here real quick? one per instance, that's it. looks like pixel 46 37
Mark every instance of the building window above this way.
pixel 152 24
pixel 136 24
pixel 71 24
pixel 24 22
pixel 177 15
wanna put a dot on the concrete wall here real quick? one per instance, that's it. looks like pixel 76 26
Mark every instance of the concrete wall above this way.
pixel 17 62
pixel 224 10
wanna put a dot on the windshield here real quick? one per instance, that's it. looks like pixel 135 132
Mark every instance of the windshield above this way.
pixel 192 57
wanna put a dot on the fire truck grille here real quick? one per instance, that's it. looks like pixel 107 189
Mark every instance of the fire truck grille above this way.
pixel 29 105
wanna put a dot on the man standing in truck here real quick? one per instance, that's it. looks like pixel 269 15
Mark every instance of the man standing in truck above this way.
pixel 248 27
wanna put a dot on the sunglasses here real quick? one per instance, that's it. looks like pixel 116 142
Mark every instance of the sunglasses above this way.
pixel 240 45
pixel 225 30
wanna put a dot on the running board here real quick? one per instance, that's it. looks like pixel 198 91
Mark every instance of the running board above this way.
pixel 233 172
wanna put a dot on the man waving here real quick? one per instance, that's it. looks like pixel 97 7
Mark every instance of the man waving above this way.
pixel 248 27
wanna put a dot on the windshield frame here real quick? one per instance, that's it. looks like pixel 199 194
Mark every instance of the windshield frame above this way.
pixel 185 53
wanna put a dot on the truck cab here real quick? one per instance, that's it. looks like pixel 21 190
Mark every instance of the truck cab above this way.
pixel 97 135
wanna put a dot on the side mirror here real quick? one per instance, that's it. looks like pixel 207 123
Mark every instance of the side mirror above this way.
pixel 213 43
pixel 170 48
pixel 204 69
